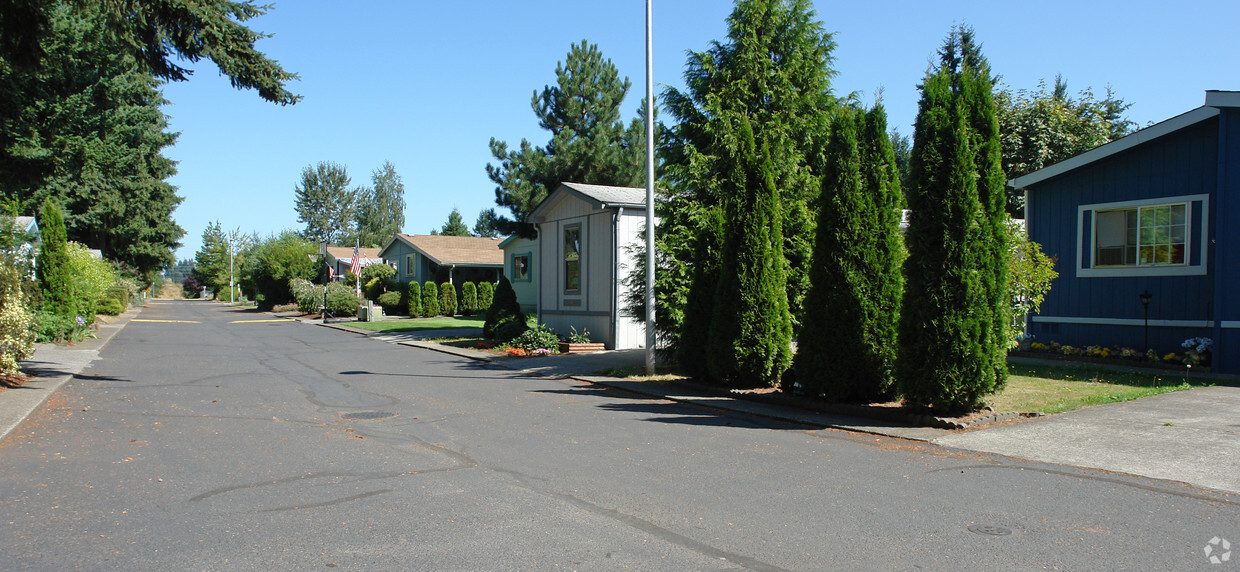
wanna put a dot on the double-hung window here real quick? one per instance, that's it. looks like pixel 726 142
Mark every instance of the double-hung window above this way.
pixel 1147 237
pixel 572 259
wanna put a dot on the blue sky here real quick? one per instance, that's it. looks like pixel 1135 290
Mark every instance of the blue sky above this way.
pixel 427 85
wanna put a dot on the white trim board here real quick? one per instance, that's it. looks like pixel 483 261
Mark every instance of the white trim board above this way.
pixel 1127 322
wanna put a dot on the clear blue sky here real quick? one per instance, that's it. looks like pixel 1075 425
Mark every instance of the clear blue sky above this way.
pixel 425 85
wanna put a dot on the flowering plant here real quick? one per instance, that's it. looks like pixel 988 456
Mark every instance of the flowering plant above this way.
pixel 1199 345
pixel 539 352
pixel 517 352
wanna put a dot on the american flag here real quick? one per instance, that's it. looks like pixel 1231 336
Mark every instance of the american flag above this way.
pixel 356 267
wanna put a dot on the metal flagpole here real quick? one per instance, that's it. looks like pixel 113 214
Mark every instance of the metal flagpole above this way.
pixel 650 333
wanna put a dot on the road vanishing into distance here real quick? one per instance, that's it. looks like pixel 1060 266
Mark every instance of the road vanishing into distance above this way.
pixel 207 437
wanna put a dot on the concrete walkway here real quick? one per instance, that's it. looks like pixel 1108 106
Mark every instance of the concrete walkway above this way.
pixel 1187 436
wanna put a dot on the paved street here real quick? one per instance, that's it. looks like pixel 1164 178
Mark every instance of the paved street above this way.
pixel 207 437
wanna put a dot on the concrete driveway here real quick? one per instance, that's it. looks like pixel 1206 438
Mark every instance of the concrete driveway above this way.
pixel 1190 436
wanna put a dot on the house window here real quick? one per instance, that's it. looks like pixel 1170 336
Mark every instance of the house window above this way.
pixel 1142 236
pixel 409 264
pixel 521 267
pixel 1148 237
pixel 572 259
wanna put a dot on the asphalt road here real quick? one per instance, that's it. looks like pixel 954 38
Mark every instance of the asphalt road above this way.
pixel 210 438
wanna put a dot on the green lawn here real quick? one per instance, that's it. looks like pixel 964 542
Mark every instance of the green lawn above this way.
pixel 418 324
pixel 1038 388
pixel 1058 388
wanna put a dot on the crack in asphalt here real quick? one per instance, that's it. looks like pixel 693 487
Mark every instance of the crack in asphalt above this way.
pixel 329 503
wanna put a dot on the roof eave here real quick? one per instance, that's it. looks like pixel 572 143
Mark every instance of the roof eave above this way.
pixel 1119 145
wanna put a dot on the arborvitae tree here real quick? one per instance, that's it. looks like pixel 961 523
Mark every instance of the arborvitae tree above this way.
pixel 847 346
pixel 469 299
pixel 430 299
pixel 447 299
pixel 952 341
pixel 414 298
pixel 52 269
pixel 698 307
pixel 751 329
pixel 504 309
pixel 775 67
pixel 486 291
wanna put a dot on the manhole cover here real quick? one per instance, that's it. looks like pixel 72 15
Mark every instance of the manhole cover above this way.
pixel 368 415
pixel 989 530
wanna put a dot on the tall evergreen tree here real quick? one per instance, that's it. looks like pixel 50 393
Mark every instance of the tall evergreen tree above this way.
pixel 751 329
pixel 847 346
pixel 325 203
pixel 211 260
pixel 455 225
pixel 487 224
pixel 952 328
pixel 85 130
pixel 699 304
pixel 381 207
pixel 53 269
pixel 774 68
pixel 588 138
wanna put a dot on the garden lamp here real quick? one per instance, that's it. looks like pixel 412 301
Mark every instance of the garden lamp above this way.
pixel 1145 303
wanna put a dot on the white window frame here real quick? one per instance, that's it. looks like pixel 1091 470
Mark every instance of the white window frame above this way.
pixel 1185 269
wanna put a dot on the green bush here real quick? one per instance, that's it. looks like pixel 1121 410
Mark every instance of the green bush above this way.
pixel 414 299
pixel 51 328
pixel 508 331
pixel 391 302
pixel 16 321
pixel 486 293
pixel 375 280
pixel 469 299
pixel 504 309
pixel 341 300
pixel 447 299
pixel 110 306
pixel 120 294
pixel 538 337
pixel 430 299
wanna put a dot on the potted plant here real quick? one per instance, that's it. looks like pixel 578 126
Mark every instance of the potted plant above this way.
pixel 579 343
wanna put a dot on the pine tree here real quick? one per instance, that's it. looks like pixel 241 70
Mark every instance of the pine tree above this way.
pixel 952 328
pixel 325 203
pixel 414 298
pixel 52 269
pixel 430 299
pixel 588 138
pixel 751 329
pixel 455 225
pixel 847 346
pixel 447 299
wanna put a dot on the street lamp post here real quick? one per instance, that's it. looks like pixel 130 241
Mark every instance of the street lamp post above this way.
pixel 323 253
pixel 1145 303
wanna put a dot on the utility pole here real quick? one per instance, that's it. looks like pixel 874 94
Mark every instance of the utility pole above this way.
pixel 650 330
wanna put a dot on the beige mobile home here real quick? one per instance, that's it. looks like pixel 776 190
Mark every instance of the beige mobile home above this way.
pixel 585 249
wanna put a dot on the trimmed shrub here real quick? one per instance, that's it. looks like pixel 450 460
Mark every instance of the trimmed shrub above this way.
pixel 413 299
pixel 504 310
pixel 120 293
pixel 538 337
pixel 110 306
pixel 469 299
pixel 509 331
pixel 430 299
pixel 53 270
pixel 486 294
pixel 447 299
pixel 341 300
pixel 391 302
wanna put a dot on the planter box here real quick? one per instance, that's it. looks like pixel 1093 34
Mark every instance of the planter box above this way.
pixel 571 348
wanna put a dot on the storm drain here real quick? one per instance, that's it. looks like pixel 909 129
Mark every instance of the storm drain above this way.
pixel 368 415
pixel 990 530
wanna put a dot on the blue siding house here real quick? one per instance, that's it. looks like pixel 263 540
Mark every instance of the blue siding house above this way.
pixel 1147 213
